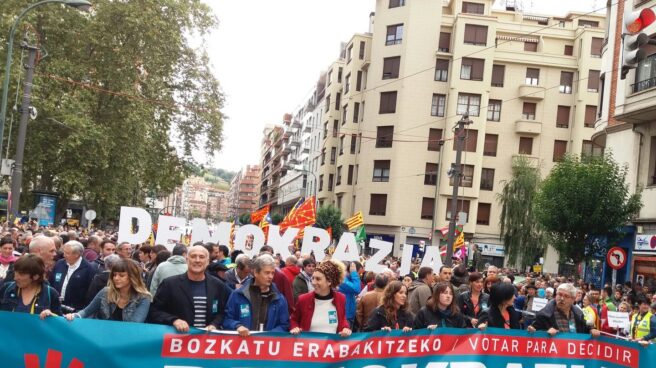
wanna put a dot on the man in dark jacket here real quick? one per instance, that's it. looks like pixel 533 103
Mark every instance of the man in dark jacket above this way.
pixel 560 316
pixel 100 280
pixel 241 273
pixel 193 298
pixel 303 281
pixel 72 276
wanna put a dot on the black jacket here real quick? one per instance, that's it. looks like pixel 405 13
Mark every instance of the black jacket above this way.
pixel 467 306
pixel 378 320
pixel 78 285
pixel 427 317
pixel 545 319
pixel 173 300
pixel 492 316
pixel 98 283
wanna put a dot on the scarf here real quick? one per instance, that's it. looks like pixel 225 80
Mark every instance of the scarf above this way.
pixel 7 260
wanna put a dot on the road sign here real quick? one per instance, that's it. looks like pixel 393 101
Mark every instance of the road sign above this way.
pixel 616 258
pixel 90 215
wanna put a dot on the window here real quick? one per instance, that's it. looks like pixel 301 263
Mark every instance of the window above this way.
pixel 560 148
pixel 498 74
pixel 356 112
pixel 473 8
pixel 438 105
pixel 347 85
pixel 391 67
pixel 331 178
pixel 362 50
pixel 362 113
pixel 490 145
pixel 327 103
pixel 387 102
pixel 353 143
pixel 528 111
pixel 323 156
pixel 596 46
pixel 333 155
pixel 566 79
pixel 475 35
pixel 430 175
pixel 394 34
pixel 652 162
pixel 483 215
pixel 344 113
pixel 593 81
pixel 330 77
pixel 381 171
pixel 645 74
pixel 434 138
pixel 396 3
pixel 467 176
pixel 349 54
pixel 341 145
pixel 588 23
pixel 427 208
pixel 378 204
pixel 339 175
pixel 562 117
pixel 339 74
pixel 532 76
pixel 525 146
pixel 338 100
pixel 590 116
pixel 569 50
pixel 445 42
pixel 602 80
pixel 358 82
pixel 472 69
pixel 335 129
pixel 349 178
pixel 338 201
pixel 320 183
pixel 494 110
pixel 487 179
pixel 471 139
pixel 442 70
pixel 468 103
pixel 461 206
pixel 530 46
pixel 384 136
pixel 590 149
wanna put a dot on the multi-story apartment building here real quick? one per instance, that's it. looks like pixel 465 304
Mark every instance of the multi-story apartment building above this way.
pixel 200 198
pixel 272 151
pixel 243 195
pixel 626 127
pixel 529 84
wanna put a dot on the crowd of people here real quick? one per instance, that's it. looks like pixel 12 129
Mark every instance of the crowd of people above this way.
pixel 88 275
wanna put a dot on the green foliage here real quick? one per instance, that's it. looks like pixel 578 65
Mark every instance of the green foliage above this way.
pixel 223 174
pixel 245 218
pixel 123 99
pixel 583 198
pixel 276 218
pixel 520 230
pixel 331 216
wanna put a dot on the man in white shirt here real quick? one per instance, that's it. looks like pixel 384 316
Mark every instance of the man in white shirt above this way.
pixel 72 276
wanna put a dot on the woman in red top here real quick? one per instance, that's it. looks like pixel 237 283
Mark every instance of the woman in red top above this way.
pixel 324 309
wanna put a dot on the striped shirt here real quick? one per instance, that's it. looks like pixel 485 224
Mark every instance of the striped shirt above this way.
pixel 199 296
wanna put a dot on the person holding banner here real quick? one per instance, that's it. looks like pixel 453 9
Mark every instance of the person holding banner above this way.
pixel 125 298
pixel 473 302
pixel 324 308
pixel 29 292
pixel 392 314
pixel 643 323
pixel 559 315
pixel 441 310
pixel 502 313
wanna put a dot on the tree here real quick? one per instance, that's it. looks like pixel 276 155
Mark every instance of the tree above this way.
pixel 121 108
pixel 276 218
pixel 245 218
pixel 520 230
pixel 583 198
pixel 330 216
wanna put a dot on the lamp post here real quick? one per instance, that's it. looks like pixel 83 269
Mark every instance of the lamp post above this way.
pixel 16 181
pixel 83 5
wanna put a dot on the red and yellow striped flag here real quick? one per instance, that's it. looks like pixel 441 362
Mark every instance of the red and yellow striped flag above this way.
pixel 356 221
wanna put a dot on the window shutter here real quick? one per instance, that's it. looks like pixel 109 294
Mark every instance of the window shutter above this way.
pixel 566 78
pixel 434 135
pixel 490 146
pixel 593 80
pixel 590 115
pixel 530 46
pixel 560 148
pixel 596 46
pixel 529 108
pixel 445 41
pixel 562 117
pixel 498 73
pixel 532 73
pixel 427 208
pixel 483 215
pixel 477 69
pixel 525 145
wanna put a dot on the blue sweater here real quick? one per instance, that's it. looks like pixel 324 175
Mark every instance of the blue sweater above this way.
pixel 239 311
pixel 350 288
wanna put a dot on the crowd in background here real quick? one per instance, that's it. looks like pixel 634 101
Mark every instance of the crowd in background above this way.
pixel 80 274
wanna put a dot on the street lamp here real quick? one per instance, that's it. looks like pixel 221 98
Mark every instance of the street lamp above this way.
pixel 82 5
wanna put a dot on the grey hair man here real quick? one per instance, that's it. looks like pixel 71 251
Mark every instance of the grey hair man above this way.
pixel 72 276
pixel 241 273
pixel 559 315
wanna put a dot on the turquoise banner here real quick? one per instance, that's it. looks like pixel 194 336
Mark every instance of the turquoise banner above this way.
pixel 26 341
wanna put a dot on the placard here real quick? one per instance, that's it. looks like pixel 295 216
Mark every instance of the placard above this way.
pixel 618 319
pixel 539 303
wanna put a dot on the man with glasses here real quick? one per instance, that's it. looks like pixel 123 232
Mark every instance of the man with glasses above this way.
pixel 559 315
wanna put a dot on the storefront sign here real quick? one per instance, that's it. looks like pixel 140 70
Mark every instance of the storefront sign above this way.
pixel 55 342
pixel 645 243
pixel 494 250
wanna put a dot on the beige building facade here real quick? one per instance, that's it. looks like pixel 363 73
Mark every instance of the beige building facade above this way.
pixel 529 83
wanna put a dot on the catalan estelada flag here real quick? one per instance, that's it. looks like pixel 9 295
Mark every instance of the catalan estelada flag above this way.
pixel 264 225
pixel 356 221
pixel 284 224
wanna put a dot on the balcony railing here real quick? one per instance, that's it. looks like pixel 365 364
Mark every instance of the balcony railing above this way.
pixel 644 85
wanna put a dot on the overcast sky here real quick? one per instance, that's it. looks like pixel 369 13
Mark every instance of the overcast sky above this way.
pixel 268 54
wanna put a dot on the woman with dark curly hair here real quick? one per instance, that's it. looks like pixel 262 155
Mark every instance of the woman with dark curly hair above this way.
pixel 441 310
pixel 392 314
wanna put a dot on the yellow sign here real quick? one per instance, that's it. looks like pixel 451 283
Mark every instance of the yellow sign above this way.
pixel 537 268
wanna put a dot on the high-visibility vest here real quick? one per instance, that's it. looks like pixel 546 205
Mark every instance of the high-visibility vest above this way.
pixel 640 327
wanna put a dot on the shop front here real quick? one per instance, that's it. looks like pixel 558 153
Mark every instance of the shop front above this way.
pixel 643 263
pixel 492 254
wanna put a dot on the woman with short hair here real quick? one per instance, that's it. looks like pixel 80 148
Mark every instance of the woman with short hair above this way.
pixel 473 302
pixel 441 310
pixel 393 312
pixel 29 292
pixel 502 313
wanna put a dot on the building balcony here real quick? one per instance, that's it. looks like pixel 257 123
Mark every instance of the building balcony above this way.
pixel 305 150
pixel 294 144
pixel 307 128
pixel 528 127
pixel 532 160
pixel 296 123
pixel 531 92
pixel 639 106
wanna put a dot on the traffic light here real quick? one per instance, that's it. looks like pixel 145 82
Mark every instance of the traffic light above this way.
pixel 634 38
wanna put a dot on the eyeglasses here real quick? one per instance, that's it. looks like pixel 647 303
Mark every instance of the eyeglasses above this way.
pixel 563 295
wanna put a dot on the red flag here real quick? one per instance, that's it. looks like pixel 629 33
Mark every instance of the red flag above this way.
pixel 258 215
pixel 330 231
pixel 305 215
